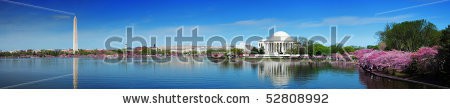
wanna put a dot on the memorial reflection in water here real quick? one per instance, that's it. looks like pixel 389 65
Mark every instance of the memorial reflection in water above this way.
pixel 284 74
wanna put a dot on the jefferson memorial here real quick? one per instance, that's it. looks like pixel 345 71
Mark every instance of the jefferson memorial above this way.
pixel 277 44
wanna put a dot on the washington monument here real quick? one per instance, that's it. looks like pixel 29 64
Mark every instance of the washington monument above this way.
pixel 75 35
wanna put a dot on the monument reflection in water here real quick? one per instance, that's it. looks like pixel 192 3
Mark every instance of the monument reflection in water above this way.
pixel 75 73
pixel 90 73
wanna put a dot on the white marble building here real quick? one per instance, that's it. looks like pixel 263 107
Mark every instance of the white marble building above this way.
pixel 277 44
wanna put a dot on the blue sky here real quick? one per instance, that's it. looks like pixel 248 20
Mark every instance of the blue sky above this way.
pixel 23 27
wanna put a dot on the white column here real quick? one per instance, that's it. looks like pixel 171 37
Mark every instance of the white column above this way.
pixel 279 46
pixel 272 47
pixel 276 47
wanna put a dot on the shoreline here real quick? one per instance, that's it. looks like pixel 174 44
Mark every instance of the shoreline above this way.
pixel 403 79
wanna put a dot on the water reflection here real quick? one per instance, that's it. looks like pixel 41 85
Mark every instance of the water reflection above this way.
pixel 325 74
pixel 219 73
pixel 75 73
pixel 376 82
pixel 299 74
pixel 278 72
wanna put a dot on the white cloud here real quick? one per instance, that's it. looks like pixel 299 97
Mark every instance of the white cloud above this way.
pixel 411 7
pixel 353 20
pixel 254 22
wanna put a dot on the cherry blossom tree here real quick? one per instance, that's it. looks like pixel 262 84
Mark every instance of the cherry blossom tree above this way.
pixel 394 60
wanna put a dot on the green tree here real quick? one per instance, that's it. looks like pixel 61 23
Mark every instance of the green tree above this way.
pixel 310 47
pixel 194 52
pixel 81 52
pixel 320 49
pixel 254 51
pixel 118 51
pixel 306 46
pixel 5 54
pixel 444 52
pixel 261 50
pixel 350 48
pixel 409 35
pixel 375 47
pixel 210 51
pixel 337 48
pixel 236 51
pixel 109 52
pixel 29 52
pixel 95 52
pixel 145 51
pixel 152 51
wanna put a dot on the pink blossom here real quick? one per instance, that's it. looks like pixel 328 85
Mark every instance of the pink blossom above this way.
pixel 425 53
pixel 397 60
pixel 360 53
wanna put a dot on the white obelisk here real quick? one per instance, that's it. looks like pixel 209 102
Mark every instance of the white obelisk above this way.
pixel 75 35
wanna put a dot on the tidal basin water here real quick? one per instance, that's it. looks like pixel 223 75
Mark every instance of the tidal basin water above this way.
pixel 90 73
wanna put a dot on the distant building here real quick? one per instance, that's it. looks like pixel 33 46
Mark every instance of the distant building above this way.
pixel 139 49
pixel 66 50
pixel 184 49
pixel 36 50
